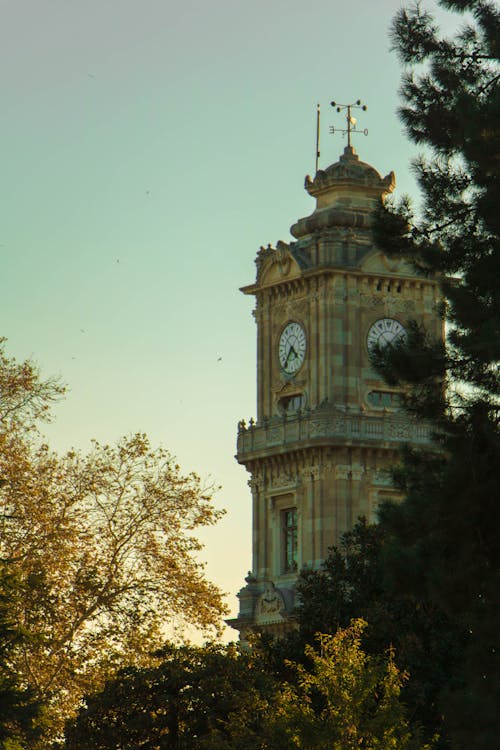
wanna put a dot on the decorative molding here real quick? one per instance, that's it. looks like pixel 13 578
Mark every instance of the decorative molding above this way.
pixel 256 484
pixel 282 481
pixel 311 473
pixel 349 471
pixel 399 430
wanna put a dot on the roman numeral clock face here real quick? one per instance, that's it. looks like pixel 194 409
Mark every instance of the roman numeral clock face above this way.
pixel 385 332
pixel 292 348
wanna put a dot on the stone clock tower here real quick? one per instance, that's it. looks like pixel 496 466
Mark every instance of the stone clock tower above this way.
pixel 327 426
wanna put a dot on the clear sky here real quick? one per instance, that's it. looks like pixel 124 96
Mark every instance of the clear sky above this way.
pixel 149 147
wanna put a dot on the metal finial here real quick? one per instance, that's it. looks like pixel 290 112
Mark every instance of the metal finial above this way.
pixel 351 121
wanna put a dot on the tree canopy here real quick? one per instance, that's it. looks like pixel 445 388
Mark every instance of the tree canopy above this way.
pixel 185 698
pixel 219 698
pixel 103 548
pixel 345 700
pixel 21 719
pixel 355 582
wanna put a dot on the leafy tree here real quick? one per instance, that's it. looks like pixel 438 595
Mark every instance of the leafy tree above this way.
pixel 179 702
pixel 218 698
pixel 343 699
pixel 446 534
pixel 20 713
pixel 102 545
pixel 25 398
pixel 352 583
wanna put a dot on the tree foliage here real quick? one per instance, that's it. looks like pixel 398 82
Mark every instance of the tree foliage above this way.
pixel 185 700
pixel 355 582
pixel 20 713
pixel 218 698
pixel 338 698
pixel 445 537
pixel 102 545
pixel 25 398
pixel 347 700
pixel 451 105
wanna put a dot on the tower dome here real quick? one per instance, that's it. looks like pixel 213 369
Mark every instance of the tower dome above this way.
pixel 347 193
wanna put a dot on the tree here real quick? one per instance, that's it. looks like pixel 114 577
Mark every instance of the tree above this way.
pixel 352 583
pixel 102 546
pixel 445 536
pixel 179 702
pixel 20 713
pixel 342 699
pixel 25 398
pixel 219 698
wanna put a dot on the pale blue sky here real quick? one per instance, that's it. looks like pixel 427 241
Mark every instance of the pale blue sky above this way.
pixel 149 148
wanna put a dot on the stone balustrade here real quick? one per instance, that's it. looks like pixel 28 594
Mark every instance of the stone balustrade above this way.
pixel 330 426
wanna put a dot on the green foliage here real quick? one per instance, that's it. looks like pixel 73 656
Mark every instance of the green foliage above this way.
pixel 217 698
pixel 452 107
pixel 356 581
pixel 346 699
pixel 444 539
pixel 20 712
pixel 184 701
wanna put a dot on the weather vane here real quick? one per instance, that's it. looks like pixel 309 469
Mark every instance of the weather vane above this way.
pixel 351 121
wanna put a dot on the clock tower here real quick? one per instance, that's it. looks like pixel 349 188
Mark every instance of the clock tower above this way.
pixel 327 427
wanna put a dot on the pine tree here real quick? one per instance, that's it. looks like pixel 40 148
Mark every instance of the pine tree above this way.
pixel 446 534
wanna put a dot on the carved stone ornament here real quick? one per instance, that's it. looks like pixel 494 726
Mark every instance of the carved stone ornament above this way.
pixel 281 388
pixel 282 480
pixel 311 473
pixel 270 604
pixel 280 256
pixel 278 264
pixel 346 471
pixel 256 484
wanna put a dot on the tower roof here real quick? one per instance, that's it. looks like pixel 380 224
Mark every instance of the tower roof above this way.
pixel 347 192
pixel 347 169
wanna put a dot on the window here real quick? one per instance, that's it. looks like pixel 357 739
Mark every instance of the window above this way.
pixel 289 526
pixel 384 399
pixel 291 404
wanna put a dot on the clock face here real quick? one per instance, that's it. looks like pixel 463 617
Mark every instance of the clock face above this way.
pixel 385 332
pixel 292 348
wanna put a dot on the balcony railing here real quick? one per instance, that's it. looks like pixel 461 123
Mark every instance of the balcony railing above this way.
pixel 329 425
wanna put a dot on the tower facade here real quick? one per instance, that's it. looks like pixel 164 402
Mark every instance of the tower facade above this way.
pixel 327 427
